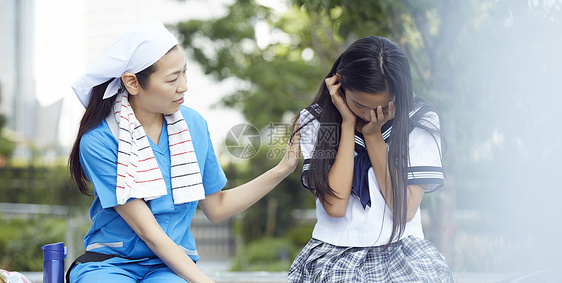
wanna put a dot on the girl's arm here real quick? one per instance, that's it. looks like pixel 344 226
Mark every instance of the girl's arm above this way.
pixel 223 204
pixel 378 155
pixel 340 177
pixel 137 214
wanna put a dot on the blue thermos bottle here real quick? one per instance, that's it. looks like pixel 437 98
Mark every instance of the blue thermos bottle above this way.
pixel 53 263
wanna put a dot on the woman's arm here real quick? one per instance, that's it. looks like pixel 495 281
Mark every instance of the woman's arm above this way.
pixel 223 204
pixel 137 214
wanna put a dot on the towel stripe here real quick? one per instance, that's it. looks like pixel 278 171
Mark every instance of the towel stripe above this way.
pixel 137 174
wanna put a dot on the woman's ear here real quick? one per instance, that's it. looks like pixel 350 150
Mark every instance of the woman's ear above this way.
pixel 131 83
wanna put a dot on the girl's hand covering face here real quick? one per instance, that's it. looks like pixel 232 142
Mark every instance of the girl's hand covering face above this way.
pixel 378 119
pixel 334 84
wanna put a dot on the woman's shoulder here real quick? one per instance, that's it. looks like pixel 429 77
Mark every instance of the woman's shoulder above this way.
pixel 194 120
pixel 99 137
pixel 190 114
pixel 101 132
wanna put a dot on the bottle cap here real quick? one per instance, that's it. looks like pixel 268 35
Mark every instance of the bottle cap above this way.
pixel 55 251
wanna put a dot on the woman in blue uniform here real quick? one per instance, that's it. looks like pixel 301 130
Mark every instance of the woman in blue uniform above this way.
pixel 150 161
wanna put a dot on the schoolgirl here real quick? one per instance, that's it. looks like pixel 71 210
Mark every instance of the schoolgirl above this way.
pixel 372 149
pixel 151 162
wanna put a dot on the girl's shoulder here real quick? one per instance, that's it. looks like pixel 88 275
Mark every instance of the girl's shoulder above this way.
pixel 314 110
pixel 424 116
pixel 310 114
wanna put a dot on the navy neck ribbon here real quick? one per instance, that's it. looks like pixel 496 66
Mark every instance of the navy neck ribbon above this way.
pixel 362 163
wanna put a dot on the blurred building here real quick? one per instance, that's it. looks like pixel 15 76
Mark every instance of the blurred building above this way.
pixel 17 86
pixel 30 123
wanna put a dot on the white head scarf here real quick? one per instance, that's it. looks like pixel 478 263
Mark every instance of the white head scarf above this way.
pixel 133 52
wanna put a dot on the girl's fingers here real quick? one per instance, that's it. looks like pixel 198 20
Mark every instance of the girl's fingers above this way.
pixel 380 114
pixel 373 116
pixel 391 111
pixel 333 87
pixel 330 82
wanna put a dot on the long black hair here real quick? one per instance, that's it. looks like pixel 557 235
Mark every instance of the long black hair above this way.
pixel 97 109
pixel 373 64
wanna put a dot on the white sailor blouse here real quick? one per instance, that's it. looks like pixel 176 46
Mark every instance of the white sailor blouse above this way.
pixel 368 219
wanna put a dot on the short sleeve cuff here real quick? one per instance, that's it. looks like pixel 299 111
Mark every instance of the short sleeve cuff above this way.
pixel 216 184
pixel 430 177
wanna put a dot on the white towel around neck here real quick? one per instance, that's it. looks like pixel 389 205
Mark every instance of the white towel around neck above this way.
pixel 138 174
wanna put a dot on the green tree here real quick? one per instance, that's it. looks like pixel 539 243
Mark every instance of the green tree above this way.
pixel 7 146
pixel 277 77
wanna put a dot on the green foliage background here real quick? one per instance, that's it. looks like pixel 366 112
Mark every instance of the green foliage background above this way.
pixel 21 241
pixel 39 184
pixel 21 238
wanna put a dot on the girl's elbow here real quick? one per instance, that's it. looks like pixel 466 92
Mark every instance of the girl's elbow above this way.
pixel 337 214
pixel 409 218
pixel 410 215
pixel 334 211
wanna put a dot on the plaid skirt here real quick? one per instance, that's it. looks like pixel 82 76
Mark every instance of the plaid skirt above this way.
pixel 408 260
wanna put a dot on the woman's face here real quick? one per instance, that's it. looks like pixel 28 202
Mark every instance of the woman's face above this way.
pixel 361 102
pixel 165 90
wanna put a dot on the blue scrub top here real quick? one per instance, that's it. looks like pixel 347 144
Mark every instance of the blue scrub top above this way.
pixel 109 233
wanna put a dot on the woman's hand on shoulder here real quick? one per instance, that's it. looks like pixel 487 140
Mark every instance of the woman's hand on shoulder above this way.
pixel 378 119
pixel 292 154
pixel 334 86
